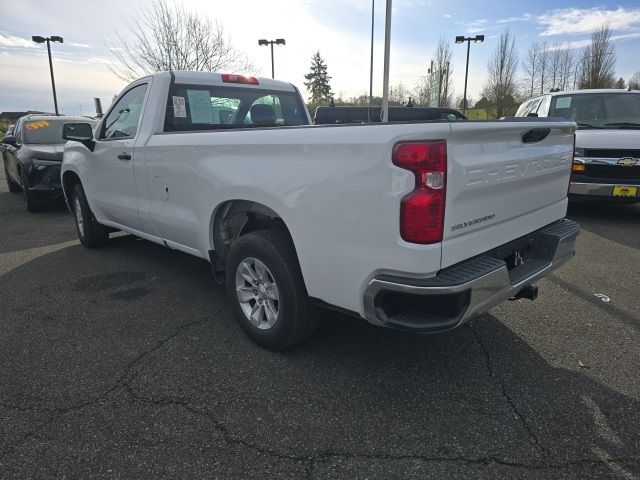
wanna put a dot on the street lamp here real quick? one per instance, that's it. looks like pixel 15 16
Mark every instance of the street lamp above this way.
pixel 462 39
pixel 264 43
pixel 53 38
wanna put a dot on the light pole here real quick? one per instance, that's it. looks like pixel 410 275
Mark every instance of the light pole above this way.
pixel 264 43
pixel 373 10
pixel 462 39
pixel 53 38
pixel 387 55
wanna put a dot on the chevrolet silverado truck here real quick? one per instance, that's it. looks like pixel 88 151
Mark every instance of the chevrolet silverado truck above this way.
pixel 417 226
pixel 606 165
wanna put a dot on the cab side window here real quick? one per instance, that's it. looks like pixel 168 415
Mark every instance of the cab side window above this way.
pixel 522 109
pixel 543 108
pixel 18 133
pixel 122 121
pixel 532 107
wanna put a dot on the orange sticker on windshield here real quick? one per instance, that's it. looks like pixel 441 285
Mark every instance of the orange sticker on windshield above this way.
pixel 36 125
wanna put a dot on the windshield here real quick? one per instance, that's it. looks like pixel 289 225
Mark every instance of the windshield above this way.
pixel 43 131
pixel 599 110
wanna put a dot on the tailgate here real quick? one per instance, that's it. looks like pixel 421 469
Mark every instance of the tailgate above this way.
pixel 503 183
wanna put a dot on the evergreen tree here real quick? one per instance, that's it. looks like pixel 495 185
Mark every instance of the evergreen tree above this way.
pixel 318 81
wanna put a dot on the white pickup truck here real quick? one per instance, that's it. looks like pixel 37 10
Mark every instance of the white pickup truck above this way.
pixel 417 226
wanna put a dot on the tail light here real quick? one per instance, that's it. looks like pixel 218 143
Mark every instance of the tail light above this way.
pixel 422 210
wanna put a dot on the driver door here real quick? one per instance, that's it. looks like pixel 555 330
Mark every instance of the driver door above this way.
pixel 111 173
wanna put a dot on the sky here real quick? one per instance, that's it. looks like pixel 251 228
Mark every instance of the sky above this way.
pixel 339 29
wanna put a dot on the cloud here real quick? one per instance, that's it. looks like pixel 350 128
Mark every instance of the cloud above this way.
pixel 524 18
pixel 447 15
pixel 482 24
pixel 10 41
pixel 574 21
pixel 80 45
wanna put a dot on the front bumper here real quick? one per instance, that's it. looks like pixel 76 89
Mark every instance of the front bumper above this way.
pixel 458 293
pixel 43 178
pixel 601 190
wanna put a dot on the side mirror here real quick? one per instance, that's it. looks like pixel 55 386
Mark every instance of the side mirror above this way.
pixel 79 132
pixel 10 140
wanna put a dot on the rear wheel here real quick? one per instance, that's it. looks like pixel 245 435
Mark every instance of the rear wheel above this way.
pixel 90 232
pixel 267 292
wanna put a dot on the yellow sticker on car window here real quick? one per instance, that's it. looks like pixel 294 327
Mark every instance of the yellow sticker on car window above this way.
pixel 36 125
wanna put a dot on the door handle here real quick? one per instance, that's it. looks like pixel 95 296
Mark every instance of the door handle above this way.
pixel 124 156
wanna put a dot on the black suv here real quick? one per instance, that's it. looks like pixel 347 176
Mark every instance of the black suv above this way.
pixel 32 156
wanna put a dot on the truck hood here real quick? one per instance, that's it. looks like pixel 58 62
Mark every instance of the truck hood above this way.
pixel 608 139
pixel 45 152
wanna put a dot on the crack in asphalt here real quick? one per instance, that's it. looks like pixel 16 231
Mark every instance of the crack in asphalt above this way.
pixel 503 388
pixel 59 412
pixel 311 460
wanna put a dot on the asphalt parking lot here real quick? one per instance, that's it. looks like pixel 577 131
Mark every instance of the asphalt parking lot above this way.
pixel 125 362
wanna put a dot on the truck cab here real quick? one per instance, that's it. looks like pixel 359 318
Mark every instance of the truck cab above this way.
pixel 606 164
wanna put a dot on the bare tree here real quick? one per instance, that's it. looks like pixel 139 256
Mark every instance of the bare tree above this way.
pixel 598 61
pixel 500 89
pixel 634 81
pixel 555 66
pixel 398 94
pixel 422 92
pixel 545 60
pixel 567 61
pixel 166 36
pixel 443 67
pixel 531 66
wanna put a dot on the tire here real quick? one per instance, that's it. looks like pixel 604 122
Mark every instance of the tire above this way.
pixel 90 233
pixel 30 201
pixel 13 186
pixel 293 321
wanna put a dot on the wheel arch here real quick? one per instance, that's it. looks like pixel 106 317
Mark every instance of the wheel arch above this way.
pixel 69 180
pixel 233 218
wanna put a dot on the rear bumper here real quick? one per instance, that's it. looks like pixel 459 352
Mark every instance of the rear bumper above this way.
pixel 458 293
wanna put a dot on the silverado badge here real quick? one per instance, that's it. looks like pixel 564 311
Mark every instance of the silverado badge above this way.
pixel 627 161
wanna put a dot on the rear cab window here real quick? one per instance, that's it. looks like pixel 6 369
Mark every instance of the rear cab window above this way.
pixel 206 107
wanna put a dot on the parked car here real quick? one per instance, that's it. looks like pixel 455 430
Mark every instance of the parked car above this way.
pixel 334 115
pixel 606 165
pixel 417 226
pixel 32 157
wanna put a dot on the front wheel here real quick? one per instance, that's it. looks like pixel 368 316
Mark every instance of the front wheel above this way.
pixel 29 198
pixel 267 292
pixel 90 232
pixel 13 186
